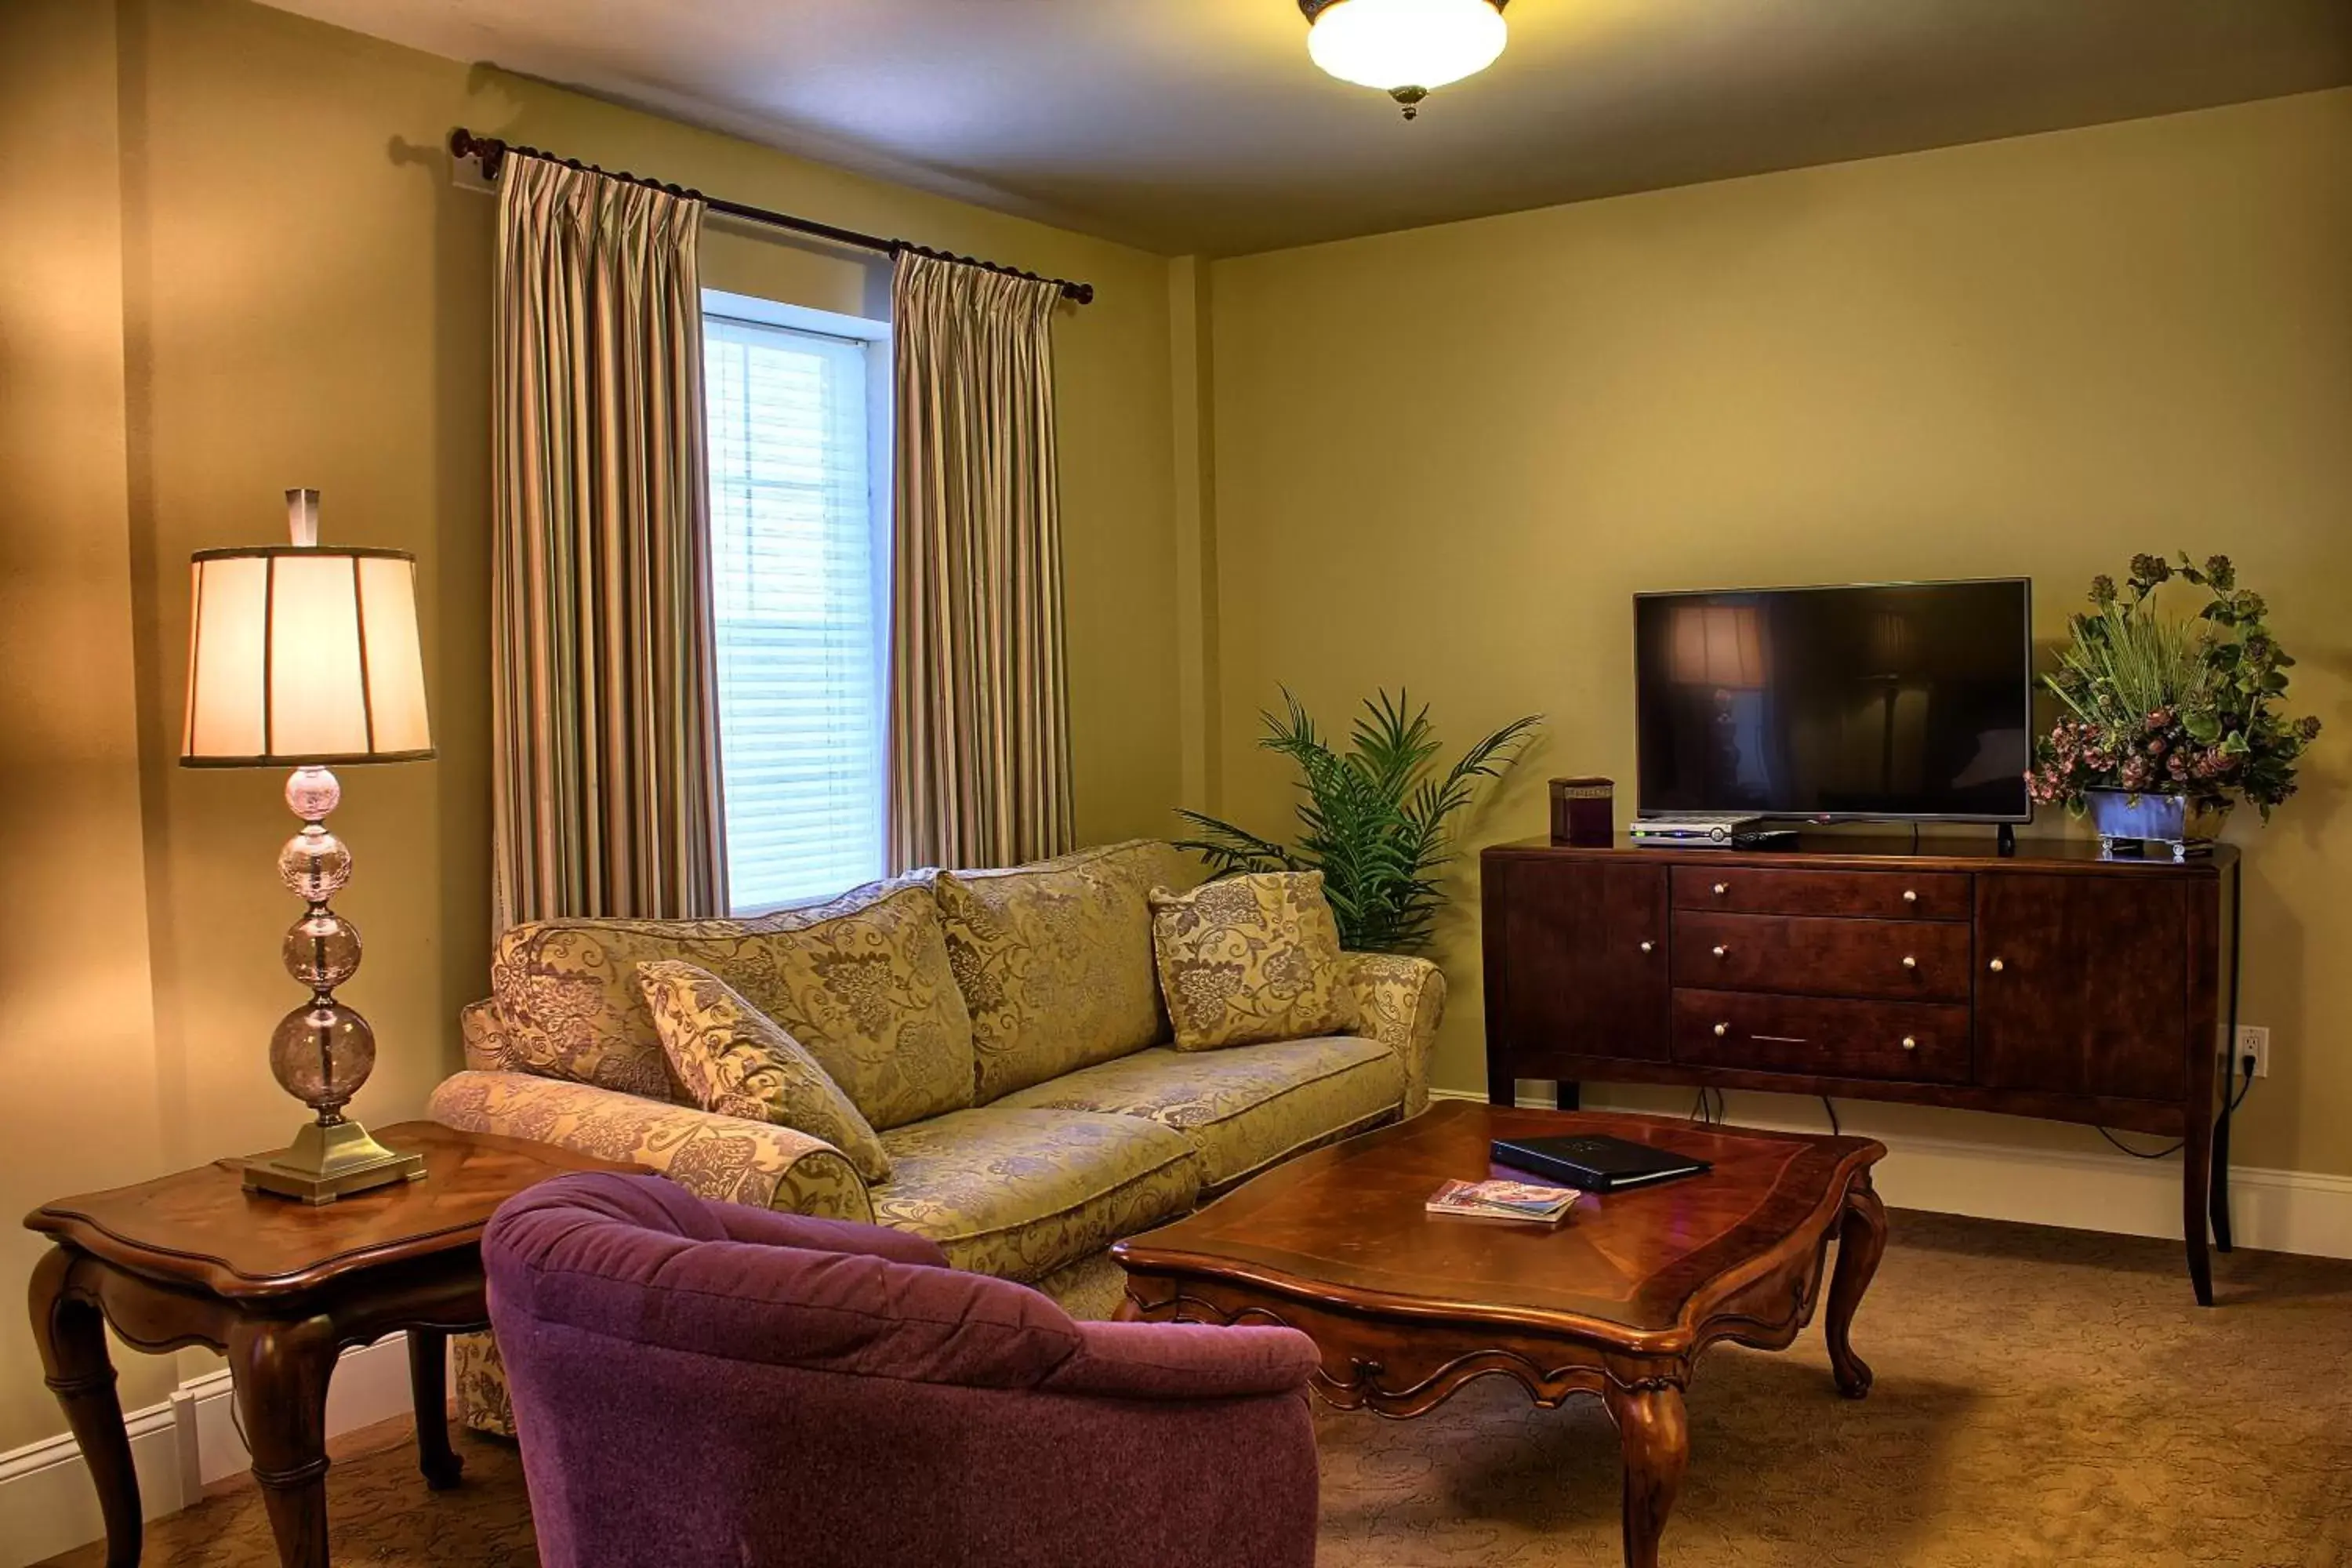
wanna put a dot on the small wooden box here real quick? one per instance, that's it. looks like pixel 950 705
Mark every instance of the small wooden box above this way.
pixel 1583 812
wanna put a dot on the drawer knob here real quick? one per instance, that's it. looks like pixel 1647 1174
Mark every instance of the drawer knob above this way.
pixel 1648 946
pixel 1722 951
pixel 1721 888
pixel 1721 1030
pixel 1910 897
pixel 1909 962
pixel 1994 966
pixel 1909 1044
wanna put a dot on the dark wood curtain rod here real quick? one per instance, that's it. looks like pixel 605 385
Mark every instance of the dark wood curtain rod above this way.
pixel 491 153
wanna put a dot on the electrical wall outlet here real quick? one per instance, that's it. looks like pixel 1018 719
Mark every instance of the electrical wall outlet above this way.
pixel 2253 1040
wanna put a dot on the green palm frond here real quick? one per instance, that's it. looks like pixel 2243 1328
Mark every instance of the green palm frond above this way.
pixel 1373 818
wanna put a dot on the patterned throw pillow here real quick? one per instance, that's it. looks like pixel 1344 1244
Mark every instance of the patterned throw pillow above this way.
pixel 1250 959
pixel 735 1060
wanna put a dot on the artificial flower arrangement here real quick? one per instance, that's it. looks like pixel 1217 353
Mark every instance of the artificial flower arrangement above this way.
pixel 2165 707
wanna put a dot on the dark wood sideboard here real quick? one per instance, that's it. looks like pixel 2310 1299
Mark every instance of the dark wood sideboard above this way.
pixel 2048 983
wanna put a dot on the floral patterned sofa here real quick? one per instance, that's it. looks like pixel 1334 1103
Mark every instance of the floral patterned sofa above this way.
pixel 1002 1030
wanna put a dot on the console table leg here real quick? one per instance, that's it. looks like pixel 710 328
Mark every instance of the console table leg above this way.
pixel 2219 1182
pixel 281 1368
pixel 1861 1240
pixel 1654 1436
pixel 2196 1189
pixel 71 1331
pixel 428 1392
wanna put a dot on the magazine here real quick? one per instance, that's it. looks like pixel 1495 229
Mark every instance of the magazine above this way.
pixel 1503 1200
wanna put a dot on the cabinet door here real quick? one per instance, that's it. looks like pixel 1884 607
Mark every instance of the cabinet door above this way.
pixel 2081 984
pixel 1582 949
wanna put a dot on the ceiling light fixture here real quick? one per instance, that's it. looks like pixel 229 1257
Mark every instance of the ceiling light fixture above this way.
pixel 1405 47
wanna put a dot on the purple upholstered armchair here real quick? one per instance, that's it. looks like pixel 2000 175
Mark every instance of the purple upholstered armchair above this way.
pixel 698 1383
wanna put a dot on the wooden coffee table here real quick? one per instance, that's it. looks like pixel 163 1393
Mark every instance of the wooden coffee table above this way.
pixel 281 1287
pixel 1618 1300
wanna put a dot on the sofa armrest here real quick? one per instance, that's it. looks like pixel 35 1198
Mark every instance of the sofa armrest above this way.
pixel 1400 1002
pixel 483 1036
pixel 720 1157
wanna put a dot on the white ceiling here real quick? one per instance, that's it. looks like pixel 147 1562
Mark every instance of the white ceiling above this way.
pixel 1200 125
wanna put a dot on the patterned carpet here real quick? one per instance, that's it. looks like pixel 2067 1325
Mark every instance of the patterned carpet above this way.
pixel 2042 1396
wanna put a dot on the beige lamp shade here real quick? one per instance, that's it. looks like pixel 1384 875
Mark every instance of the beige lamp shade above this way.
pixel 1718 644
pixel 300 655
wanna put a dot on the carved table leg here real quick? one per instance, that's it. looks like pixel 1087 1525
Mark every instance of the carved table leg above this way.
pixel 1654 1436
pixel 1862 1238
pixel 72 1335
pixel 428 1390
pixel 281 1368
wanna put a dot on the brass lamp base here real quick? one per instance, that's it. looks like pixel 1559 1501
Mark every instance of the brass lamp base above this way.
pixel 324 1163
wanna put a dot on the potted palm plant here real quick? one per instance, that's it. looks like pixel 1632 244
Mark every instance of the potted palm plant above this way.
pixel 2169 722
pixel 1375 817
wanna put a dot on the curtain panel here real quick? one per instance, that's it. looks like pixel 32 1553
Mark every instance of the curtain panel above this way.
pixel 979 744
pixel 605 743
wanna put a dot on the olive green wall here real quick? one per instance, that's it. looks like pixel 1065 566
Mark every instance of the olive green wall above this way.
pixel 1447 459
pixel 234 259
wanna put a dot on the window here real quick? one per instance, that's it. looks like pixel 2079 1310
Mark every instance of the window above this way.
pixel 799 505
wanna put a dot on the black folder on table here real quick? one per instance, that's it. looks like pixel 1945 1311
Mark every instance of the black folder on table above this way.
pixel 1595 1163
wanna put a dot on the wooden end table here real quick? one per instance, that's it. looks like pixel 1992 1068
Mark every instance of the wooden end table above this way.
pixel 281 1288
pixel 1618 1300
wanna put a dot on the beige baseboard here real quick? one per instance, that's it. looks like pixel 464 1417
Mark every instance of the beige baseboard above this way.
pixel 2271 1210
pixel 178 1446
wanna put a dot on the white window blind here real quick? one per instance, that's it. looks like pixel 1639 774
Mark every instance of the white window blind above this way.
pixel 797 579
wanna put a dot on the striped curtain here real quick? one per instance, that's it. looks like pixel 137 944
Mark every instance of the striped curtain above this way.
pixel 605 760
pixel 979 740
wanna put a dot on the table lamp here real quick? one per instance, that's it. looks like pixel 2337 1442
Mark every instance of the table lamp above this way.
pixel 300 656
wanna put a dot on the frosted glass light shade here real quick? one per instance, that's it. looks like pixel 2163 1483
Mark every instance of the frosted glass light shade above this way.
pixel 302 655
pixel 1400 45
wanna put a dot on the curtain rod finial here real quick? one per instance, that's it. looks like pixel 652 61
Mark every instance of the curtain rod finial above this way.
pixel 488 150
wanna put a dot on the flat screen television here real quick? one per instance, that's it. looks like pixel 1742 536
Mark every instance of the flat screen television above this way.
pixel 1906 700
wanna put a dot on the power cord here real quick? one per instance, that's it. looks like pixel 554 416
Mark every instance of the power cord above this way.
pixel 1834 1129
pixel 2240 1097
pixel 2236 1100
pixel 2142 1153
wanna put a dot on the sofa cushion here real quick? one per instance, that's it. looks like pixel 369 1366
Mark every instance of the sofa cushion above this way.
pixel 871 994
pixel 1054 959
pixel 1251 958
pixel 862 982
pixel 735 1060
pixel 1021 1194
pixel 1244 1108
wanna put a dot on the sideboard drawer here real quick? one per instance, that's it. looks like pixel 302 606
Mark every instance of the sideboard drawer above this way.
pixel 1922 1041
pixel 1894 961
pixel 1871 895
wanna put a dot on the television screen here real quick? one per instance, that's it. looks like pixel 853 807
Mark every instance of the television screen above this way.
pixel 1910 700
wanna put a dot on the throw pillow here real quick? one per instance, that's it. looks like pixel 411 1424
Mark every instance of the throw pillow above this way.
pixel 737 1061
pixel 1250 959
